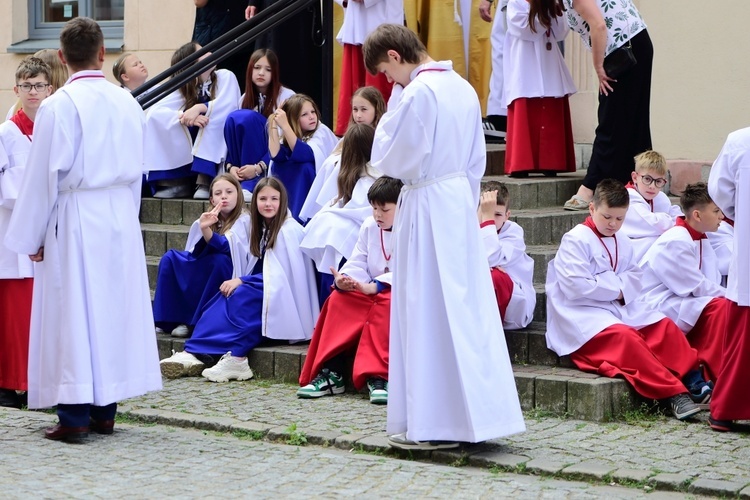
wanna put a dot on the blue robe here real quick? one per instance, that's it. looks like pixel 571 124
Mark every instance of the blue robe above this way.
pixel 187 280
pixel 247 141
pixel 296 170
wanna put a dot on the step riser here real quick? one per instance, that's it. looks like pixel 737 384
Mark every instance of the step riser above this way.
pixel 579 395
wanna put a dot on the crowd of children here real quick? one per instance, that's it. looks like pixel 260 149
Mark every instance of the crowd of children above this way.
pixel 320 254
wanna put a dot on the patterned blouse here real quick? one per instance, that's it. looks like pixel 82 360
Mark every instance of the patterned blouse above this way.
pixel 621 17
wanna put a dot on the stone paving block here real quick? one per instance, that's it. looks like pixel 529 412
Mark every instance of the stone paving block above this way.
pixel 507 461
pixel 152 269
pixel 495 159
pixel 219 424
pixel 281 433
pixel 150 211
pixel 551 393
pixel 671 482
pixel 155 242
pixel 250 427
pixel 191 211
pixel 527 197
pixel 518 345
pixel 514 193
pixel 261 361
pixel 171 212
pixel 625 476
pixel 538 352
pixel 178 344
pixel 164 345
pixel 546 194
pixel 540 230
pixel 544 466
pixel 455 457
pixel 716 487
pixel 540 310
pixel 374 443
pixel 590 399
pixel 525 383
pixel 565 190
pixel 623 397
pixel 321 438
pixel 286 366
pixel 176 239
pixel 163 417
pixel 348 441
pixel 745 493
pixel 565 362
pixel 590 469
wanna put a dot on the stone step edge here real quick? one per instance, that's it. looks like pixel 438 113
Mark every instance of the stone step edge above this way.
pixel 550 389
pixel 488 455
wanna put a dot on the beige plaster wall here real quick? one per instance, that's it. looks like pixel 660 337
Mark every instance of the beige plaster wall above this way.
pixel 153 30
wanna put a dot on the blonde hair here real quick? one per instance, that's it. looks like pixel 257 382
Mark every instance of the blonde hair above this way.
pixel 118 68
pixel 651 161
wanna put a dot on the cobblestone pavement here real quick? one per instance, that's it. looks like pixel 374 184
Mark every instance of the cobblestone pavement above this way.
pixel 653 453
pixel 156 461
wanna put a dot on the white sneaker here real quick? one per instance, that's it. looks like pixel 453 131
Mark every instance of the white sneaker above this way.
pixel 181 364
pixel 248 195
pixel 201 192
pixel 229 368
pixel 181 331
pixel 159 330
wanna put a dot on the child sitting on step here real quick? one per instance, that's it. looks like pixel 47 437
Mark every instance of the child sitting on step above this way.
pixel 592 284
pixel 512 269
pixel 650 212
pixel 356 316
pixel 274 298
pixel 216 250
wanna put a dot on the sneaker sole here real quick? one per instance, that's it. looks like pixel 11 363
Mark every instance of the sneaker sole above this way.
pixel 687 414
pixel 379 401
pixel 719 427
pixel 320 394
pixel 172 370
pixel 227 379
pixel 423 446
pixel 195 370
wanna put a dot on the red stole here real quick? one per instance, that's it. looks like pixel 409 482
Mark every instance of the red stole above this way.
pixel 695 235
pixel 24 123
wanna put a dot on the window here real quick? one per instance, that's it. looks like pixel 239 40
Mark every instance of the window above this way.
pixel 46 17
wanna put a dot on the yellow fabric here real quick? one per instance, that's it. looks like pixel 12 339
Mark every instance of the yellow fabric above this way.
pixel 433 21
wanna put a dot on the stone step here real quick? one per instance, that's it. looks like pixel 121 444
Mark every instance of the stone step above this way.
pixel 546 226
pixel 554 389
pixel 158 238
pixel 539 191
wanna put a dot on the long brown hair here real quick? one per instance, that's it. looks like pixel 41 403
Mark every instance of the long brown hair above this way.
pixel 293 109
pixel 189 91
pixel 374 97
pixel 252 95
pixel 222 226
pixel 355 155
pixel 546 11
pixel 259 223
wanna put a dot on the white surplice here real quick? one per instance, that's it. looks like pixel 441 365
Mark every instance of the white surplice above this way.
pixel 450 376
pixel 729 187
pixel 362 17
pixel 168 142
pixel 323 187
pixel 495 100
pixel 92 330
pixel 238 238
pixel 680 277
pixel 372 258
pixel 506 249
pixel 14 151
pixel 332 233
pixel 645 222
pixel 290 297
pixel 582 289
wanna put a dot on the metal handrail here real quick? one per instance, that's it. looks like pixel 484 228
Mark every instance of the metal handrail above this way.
pixel 226 45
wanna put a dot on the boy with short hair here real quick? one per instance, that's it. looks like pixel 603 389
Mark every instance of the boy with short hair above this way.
pixel 729 186
pixel 356 316
pixel 681 279
pixel 449 372
pixel 92 339
pixel 511 268
pixel 16 271
pixel 650 212
pixel 592 284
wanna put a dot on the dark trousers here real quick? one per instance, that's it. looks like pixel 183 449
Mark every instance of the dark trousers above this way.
pixel 624 128
pixel 79 415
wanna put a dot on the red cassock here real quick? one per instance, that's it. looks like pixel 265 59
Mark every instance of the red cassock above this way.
pixel 357 323
pixel 503 285
pixel 729 400
pixel 707 336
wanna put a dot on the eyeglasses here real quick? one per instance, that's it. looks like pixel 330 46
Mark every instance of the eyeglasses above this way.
pixel 648 180
pixel 39 87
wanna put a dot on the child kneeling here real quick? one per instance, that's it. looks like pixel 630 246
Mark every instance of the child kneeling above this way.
pixel 356 316
pixel 592 284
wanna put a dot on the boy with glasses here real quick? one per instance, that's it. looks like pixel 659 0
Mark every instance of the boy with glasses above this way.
pixel 650 212
pixel 16 271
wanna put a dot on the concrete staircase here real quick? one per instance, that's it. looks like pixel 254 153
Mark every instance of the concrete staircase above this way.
pixel 546 382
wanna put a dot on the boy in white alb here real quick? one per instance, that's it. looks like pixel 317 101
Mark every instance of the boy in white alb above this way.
pixel 511 268
pixel 681 279
pixel 729 187
pixel 355 318
pixel 92 339
pixel 16 271
pixel 650 212
pixel 592 284
pixel 449 373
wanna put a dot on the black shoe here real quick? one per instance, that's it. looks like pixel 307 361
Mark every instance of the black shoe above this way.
pixel 9 399
pixel 492 135
pixel 518 175
pixel 549 174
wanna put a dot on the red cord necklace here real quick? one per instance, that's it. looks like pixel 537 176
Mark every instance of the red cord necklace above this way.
pixel 385 255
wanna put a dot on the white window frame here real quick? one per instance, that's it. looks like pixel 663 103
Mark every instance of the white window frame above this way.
pixel 41 30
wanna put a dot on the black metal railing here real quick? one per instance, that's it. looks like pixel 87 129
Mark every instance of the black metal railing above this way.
pixel 226 45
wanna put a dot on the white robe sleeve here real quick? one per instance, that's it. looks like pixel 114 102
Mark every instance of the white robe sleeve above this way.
pixel 673 265
pixel 641 222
